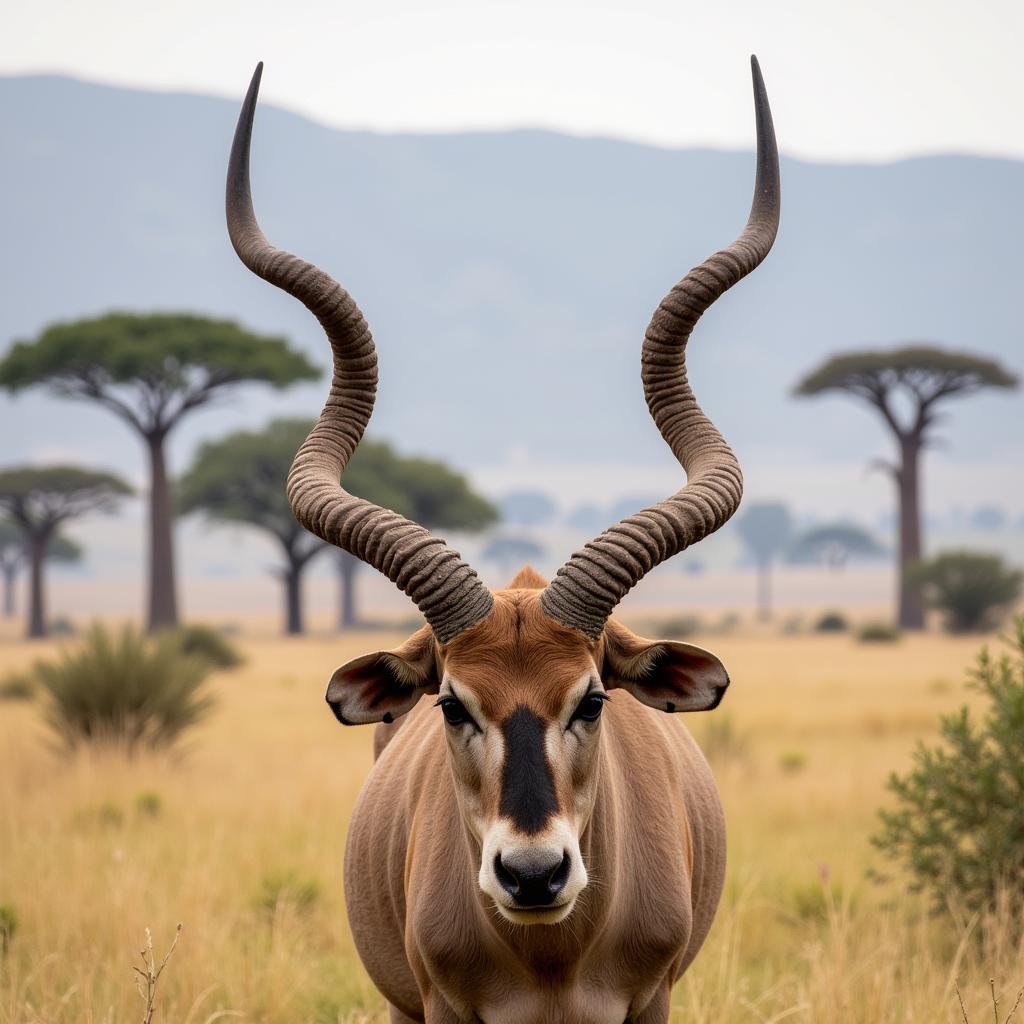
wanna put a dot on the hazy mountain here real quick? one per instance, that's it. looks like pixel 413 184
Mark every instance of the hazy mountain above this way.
pixel 508 276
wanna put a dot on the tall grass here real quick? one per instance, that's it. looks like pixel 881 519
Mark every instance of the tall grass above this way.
pixel 260 808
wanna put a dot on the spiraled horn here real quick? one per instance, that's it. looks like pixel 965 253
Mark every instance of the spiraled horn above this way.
pixel 444 587
pixel 589 586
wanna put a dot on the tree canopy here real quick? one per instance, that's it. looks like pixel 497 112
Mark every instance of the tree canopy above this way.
pixel 242 477
pixel 39 498
pixel 765 528
pixel 834 543
pixel 170 362
pixel 927 373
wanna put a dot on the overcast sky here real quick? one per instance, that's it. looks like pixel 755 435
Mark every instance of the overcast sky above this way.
pixel 863 80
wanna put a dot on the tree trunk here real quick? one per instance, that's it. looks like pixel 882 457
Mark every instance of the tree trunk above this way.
pixel 348 617
pixel 764 589
pixel 291 576
pixel 163 602
pixel 10 573
pixel 36 598
pixel 911 605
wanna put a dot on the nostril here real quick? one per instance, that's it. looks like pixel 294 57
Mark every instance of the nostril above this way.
pixel 506 879
pixel 556 883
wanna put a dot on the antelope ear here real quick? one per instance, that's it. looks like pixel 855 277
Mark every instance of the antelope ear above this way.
pixel 381 687
pixel 664 674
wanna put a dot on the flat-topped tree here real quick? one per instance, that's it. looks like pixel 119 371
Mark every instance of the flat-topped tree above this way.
pixel 39 500
pixel 241 479
pixel 152 370
pixel 14 556
pixel 906 386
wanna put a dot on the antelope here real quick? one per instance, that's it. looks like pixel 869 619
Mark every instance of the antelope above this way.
pixel 542 842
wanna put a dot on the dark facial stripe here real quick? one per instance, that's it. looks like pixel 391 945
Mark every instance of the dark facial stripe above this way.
pixel 527 787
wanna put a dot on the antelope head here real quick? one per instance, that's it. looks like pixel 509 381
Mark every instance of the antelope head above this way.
pixel 520 677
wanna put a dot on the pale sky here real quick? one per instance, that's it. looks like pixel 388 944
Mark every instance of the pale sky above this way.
pixel 865 80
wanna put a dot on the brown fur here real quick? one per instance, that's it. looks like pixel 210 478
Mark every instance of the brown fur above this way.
pixel 654 848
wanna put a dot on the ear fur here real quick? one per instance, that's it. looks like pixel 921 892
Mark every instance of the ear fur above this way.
pixel 664 674
pixel 381 687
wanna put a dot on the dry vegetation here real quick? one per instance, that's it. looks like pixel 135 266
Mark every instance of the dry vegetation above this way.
pixel 240 838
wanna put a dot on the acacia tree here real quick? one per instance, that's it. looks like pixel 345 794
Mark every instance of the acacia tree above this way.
pixel 152 370
pixel 424 490
pixel 241 479
pixel 834 544
pixel 39 500
pixel 14 556
pixel 765 528
pixel 510 552
pixel 906 386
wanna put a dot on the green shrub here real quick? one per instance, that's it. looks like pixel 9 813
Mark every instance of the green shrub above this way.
pixel 959 821
pixel 210 644
pixel 878 633
pixel 8 926
pixel 17 686
pixel 792 761
pixel 125 690
pixel 970 587
pixel 148 804
pixel 832 622
pixel 287 888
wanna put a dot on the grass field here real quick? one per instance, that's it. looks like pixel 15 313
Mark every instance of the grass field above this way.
pixel 240 839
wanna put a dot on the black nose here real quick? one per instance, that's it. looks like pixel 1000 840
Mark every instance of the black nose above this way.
pixel 532 879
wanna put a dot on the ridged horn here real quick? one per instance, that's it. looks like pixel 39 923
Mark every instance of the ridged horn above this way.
pixel 589 586
pixel 444 587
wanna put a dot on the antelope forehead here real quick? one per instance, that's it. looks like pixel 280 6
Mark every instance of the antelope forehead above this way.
pixel 493 695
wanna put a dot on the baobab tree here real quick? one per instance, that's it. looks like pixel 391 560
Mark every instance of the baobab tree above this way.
pixel 906 386
pixel 152 370
pixel 39 501
pixel 14 556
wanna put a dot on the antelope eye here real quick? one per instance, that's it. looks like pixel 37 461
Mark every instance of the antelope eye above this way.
pixel 454 711
pixel 589 709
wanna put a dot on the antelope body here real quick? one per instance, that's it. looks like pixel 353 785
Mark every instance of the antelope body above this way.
pixel 543 843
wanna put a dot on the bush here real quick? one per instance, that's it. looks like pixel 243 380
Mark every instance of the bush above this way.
pixel 676 627
pixel 832 622
pixel 792 761
pixel 125 690
pixel 148 804
pixel 878 633
pixel 209 644
pixel 17 686
pixel 971 587
pixel 959 823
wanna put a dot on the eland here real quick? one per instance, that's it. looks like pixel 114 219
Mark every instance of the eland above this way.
pixel 540 841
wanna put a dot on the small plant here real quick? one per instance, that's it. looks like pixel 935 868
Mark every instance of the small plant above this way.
pixel 210 644
pixel 148 804
pixel 792 761
pixel 8 926
pixel 878 633
pixel 125 690
pixel 17 686
pixel 149 973
pixel 832 622
pixel 109 815
pixel 287 888
pixel 959 820
pixel 970 587
pixel 995 1004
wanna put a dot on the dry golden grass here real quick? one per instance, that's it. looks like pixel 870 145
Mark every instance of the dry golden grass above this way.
pixel 245 851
